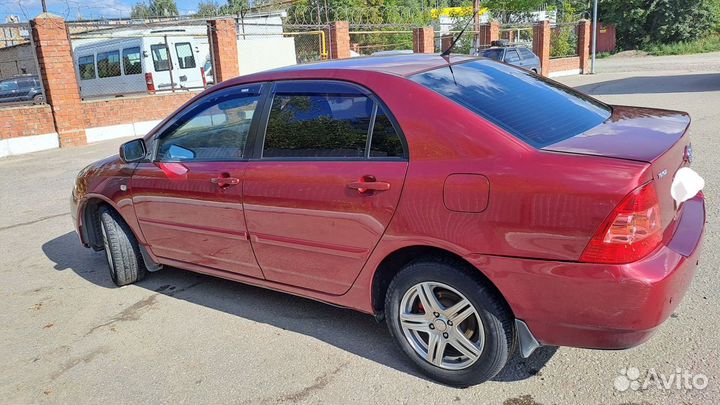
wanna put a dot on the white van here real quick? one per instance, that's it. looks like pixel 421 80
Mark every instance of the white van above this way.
pixel 157 61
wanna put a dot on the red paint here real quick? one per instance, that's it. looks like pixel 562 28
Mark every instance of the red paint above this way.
pixel 521 216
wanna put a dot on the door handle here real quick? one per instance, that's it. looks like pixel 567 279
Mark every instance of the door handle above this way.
pixel 225 181
pixel 368 183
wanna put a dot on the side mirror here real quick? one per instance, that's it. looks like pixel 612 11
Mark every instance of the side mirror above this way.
pixel 132 151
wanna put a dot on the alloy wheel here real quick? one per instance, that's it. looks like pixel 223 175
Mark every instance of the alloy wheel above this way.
pixel 442 325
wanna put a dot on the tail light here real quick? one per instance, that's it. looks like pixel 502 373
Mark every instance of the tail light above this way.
pixel 202 74
pixel 630 232
pixel 149 82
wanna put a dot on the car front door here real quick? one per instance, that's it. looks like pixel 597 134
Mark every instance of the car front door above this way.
pixel 323 184
pixel 188 198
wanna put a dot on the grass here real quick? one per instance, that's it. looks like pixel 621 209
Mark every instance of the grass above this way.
pixel 711 43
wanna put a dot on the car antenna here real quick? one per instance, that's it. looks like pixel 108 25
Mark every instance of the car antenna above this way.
pixel 446 52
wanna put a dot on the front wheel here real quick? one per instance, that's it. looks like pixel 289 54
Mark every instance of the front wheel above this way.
pixel 39 99
pixel 121 248
pixel 453 326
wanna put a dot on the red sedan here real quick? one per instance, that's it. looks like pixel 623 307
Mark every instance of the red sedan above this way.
pixel 476 207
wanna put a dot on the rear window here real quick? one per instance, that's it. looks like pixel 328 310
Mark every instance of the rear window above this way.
pixel 535 110
pixel 495 54
pixel 184 52
pixel 86 65
pixel 160 57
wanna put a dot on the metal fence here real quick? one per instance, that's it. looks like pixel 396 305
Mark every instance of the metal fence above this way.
pixel 20 82
pixel 564 40
pixel 114 60
pixel 379 42
pixel 520 34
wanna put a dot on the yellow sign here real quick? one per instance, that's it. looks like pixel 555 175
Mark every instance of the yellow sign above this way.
pixel 455 12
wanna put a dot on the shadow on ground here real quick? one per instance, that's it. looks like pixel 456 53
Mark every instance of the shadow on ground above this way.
pixel 352 331
pixel 686 83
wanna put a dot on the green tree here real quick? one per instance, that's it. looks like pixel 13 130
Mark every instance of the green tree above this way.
pixel 641 22
pixel 209 8
pixel 154 8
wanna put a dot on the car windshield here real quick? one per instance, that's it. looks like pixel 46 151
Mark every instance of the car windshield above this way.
pixel 495 54
pixel 538 111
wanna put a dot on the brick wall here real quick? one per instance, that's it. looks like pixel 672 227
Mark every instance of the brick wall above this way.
pixel 424 40
pixel 339 40
pixel 222 34
pixel 26 121
pixel 563 65
pixel 124 110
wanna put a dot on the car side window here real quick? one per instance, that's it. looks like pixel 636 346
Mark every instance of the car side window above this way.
pixel 214 130
pixel 511 56
pixel 9 85
pixel 526 54
pixel 316 121
pixel 385 140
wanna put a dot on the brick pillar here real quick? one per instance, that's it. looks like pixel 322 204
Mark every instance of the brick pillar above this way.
pixel 424 40
pixel 489 33
pixel 57 72
pixel 445 42
pixel 584 45
pixel 541 45
pixel 223 36
pixel 338 38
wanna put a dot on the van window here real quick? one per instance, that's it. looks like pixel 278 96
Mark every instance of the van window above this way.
pixel 131 61
pixel 160 57
pixel 185 56
pixel 318 124
pixel 108 64
pixel 86 66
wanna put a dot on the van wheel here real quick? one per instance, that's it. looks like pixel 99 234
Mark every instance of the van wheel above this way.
pixel 38 99
pixel 454 327
pixel 121 248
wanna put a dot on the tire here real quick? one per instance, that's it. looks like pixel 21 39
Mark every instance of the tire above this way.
pixel 38 99
pixel 121 248
pixel 490 328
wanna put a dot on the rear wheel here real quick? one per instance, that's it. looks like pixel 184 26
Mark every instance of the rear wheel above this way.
pixel 38 99
pixel 121 248
pixel 454 327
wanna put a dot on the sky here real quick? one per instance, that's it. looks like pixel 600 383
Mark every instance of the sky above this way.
pixel 72 9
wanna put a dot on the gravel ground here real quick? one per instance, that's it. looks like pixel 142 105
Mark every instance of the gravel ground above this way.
pixel 69 336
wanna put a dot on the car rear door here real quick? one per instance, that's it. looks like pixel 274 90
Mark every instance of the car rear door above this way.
pixel 323 184
pixel 188 199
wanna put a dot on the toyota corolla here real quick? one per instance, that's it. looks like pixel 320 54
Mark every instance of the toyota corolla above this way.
pixel 479 209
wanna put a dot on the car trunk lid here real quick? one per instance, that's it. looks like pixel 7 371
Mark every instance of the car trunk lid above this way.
pixel 658 137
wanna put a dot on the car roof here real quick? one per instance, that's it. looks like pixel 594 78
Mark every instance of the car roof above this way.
pixel 399 64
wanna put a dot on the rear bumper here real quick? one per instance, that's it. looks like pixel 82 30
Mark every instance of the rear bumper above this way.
pixel 597 305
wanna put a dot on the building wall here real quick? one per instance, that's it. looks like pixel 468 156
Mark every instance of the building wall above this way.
pixel 17 59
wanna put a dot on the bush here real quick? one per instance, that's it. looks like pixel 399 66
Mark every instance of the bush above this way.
pixel 710 43
pixel 641 22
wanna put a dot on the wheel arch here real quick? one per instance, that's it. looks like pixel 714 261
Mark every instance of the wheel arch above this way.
pixel 399 258
pixel 88 214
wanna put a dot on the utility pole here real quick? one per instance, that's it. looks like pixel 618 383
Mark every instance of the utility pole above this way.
pixel 594 35
pixel 476 25
pixel 44 6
